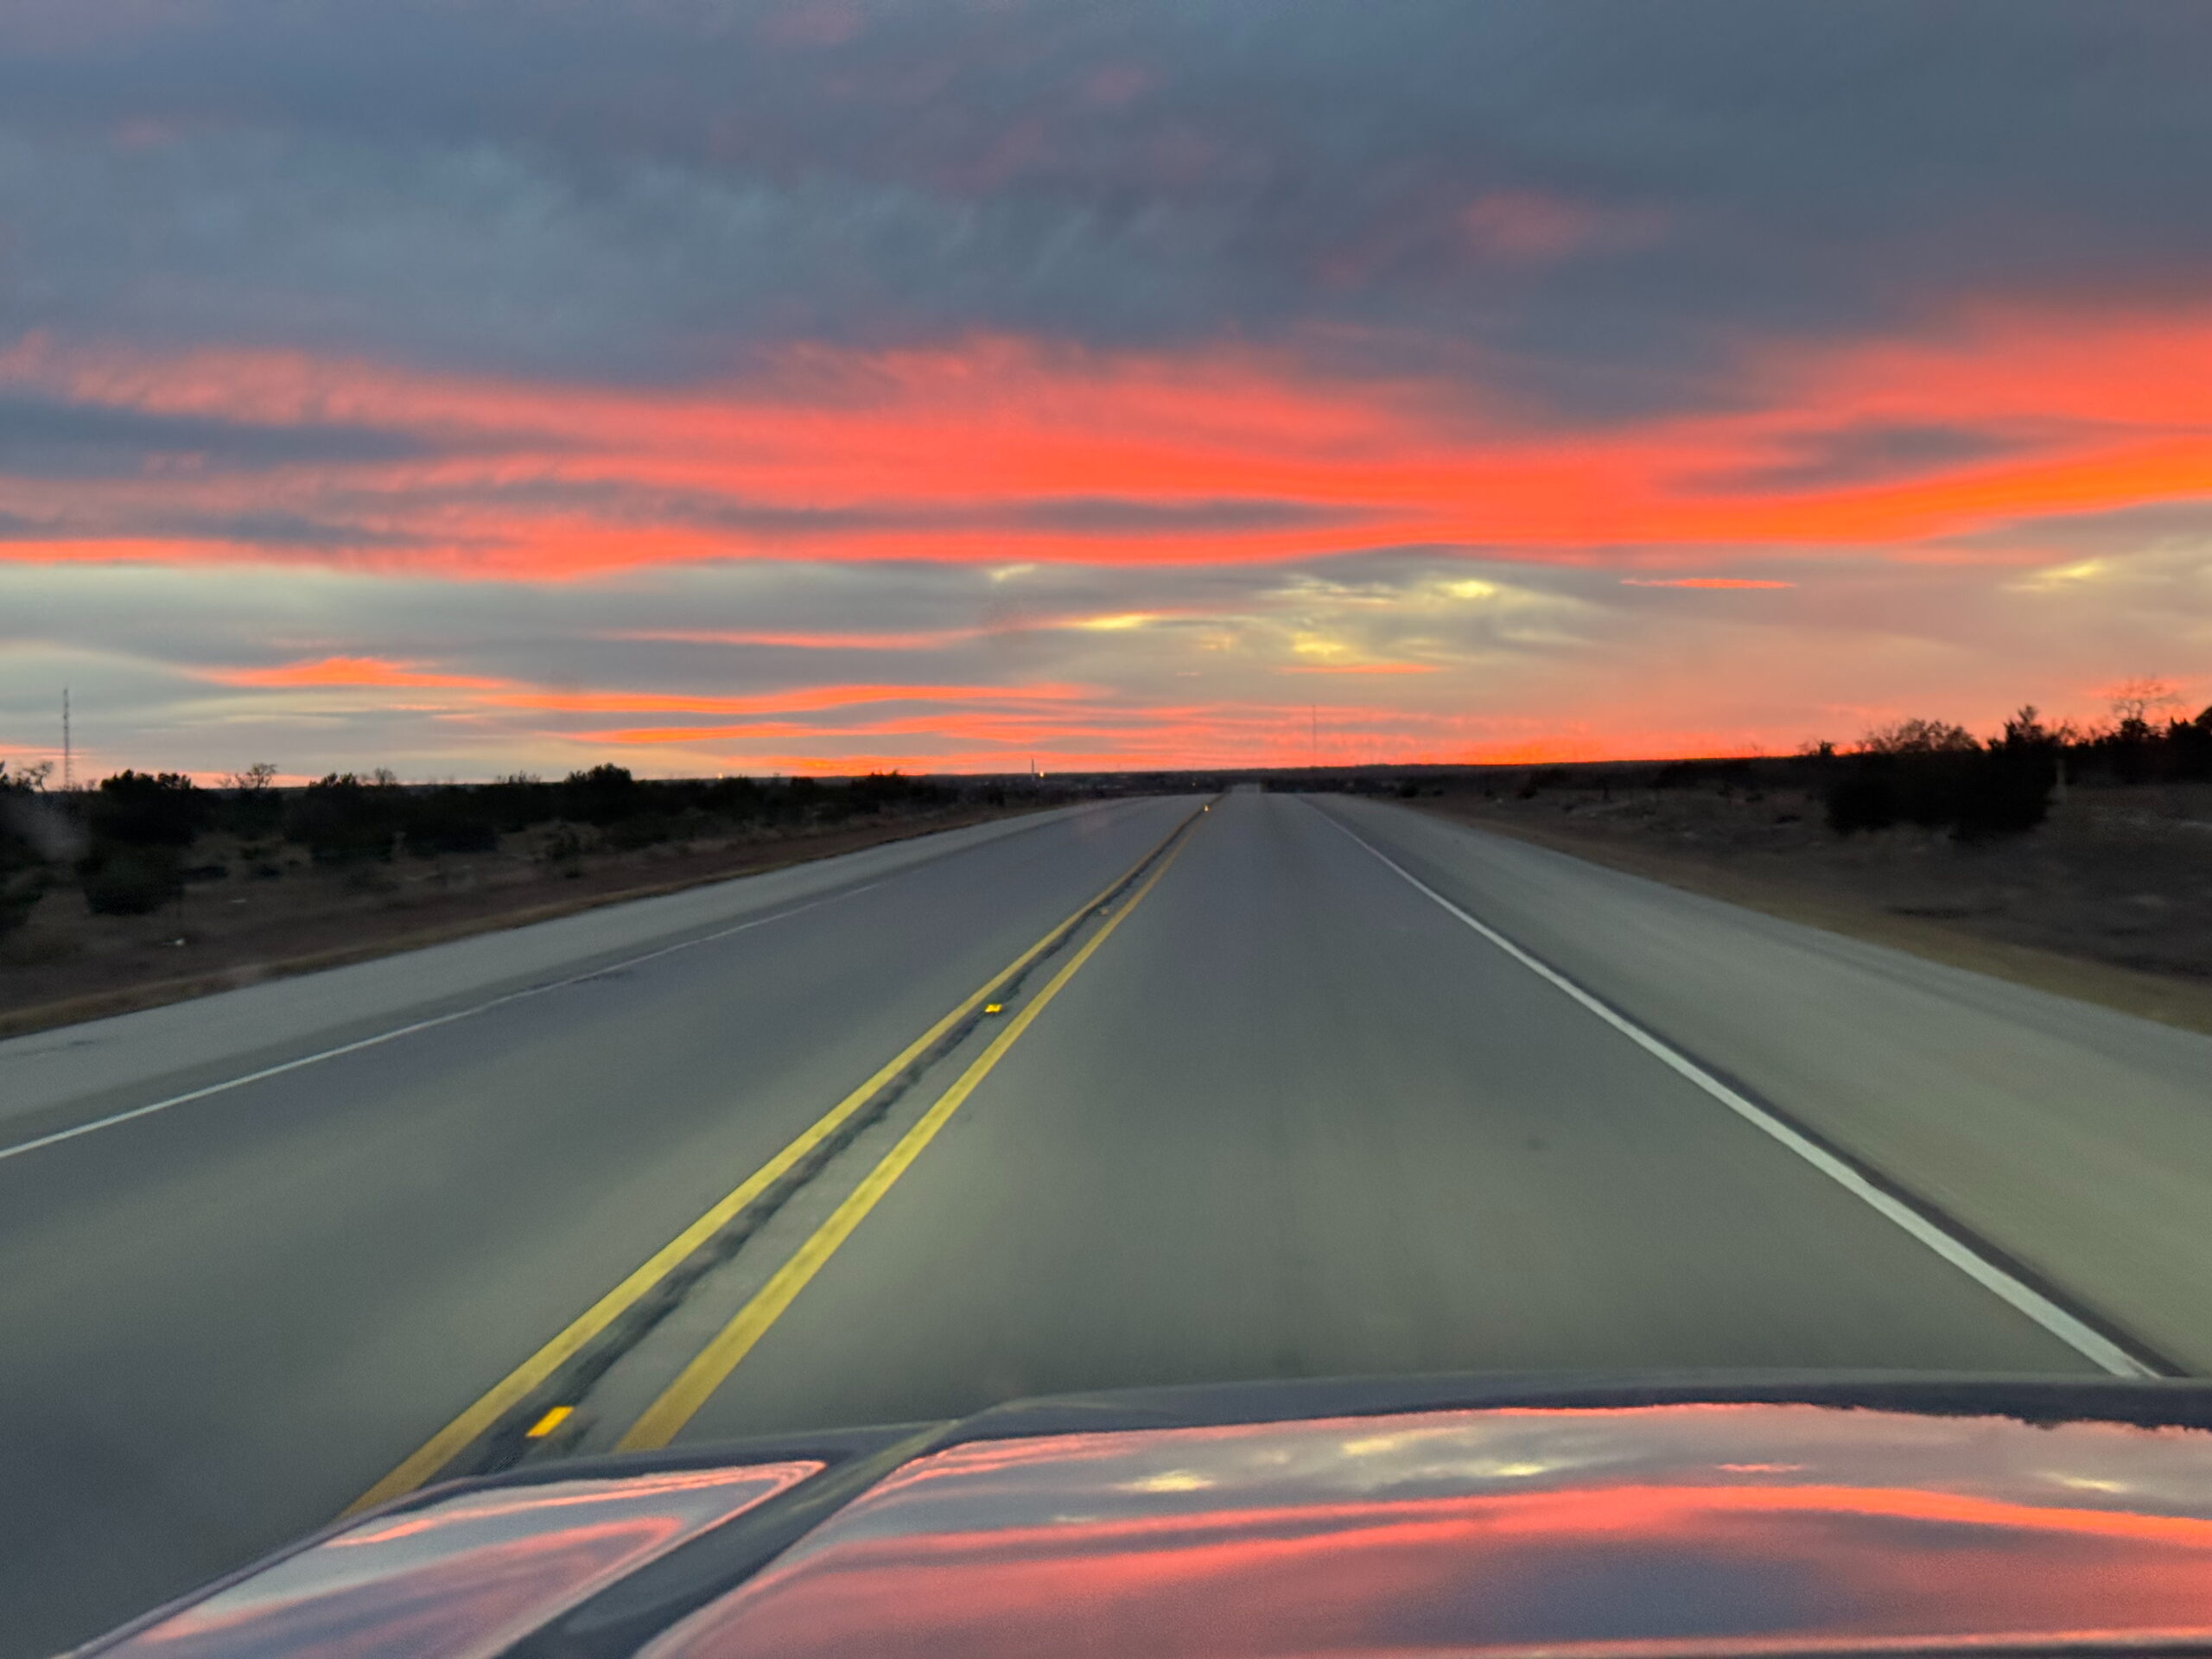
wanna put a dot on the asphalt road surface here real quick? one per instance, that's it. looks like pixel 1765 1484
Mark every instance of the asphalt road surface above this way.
pixel 1322 1087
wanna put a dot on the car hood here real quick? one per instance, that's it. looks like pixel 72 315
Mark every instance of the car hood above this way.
pixel 1676 1517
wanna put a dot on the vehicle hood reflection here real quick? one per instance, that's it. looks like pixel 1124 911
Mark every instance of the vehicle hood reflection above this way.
pixel 1644 1531
pixel 467 1574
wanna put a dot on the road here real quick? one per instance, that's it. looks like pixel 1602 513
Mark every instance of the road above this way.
pixel 1305 1087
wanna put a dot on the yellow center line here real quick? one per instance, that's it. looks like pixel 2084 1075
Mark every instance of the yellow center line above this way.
pixel 517 1385
pixel 712 1365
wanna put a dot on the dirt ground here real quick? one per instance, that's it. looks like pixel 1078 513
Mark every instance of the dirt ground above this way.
pixel 262 917
pixel 2110 900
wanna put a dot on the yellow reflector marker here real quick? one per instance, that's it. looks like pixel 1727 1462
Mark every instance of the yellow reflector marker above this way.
pixel 551 1421
pixel 993 1007
pixel 713 1363
pixel 448 1442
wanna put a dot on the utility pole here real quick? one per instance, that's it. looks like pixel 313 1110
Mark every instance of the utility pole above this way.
pixel 68 755
pixel 1314 735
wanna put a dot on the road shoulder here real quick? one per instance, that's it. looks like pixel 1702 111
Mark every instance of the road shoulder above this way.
pixel 2170 1001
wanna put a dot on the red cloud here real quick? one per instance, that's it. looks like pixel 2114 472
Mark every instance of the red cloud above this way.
pixel 1000 451
pixel 346 670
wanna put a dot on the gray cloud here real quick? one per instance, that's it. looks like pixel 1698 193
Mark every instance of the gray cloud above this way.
pixel 652 189
pixel 42 437
pixel 1589 210
pixel 1517 653
pixel 1871 451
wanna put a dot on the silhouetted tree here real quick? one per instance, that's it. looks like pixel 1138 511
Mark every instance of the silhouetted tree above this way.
pixel 340 819
pixel 23 862
pixel 136 809
pixel 1935 774
pixel 601 795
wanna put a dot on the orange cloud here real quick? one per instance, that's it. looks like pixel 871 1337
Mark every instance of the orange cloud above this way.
pixel 1699 582
pixel 877 725
pixel 1000 450
pixel 923 639
pixel 798 700
pixel 347 672
pixel 893 639
pixel 1358 668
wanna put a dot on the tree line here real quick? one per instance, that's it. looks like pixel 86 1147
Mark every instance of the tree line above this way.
pixel 1926 772
pixel 130 843
pixel 1938 775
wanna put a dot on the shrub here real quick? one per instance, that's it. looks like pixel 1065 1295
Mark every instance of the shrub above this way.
pixel 1862 799
pixel 885 791
pixel 17 850
pixel 562 848
pixel 2006 792
pixel 136 809
pixel 1918 737
pixel 602 795
pixel 517 802
pixel 2188 742
pixel 19 891
pixel 449 820
pixel 645 830
pixel 738 799
pixel 130 880
pixel 341 818
pixel 1976 793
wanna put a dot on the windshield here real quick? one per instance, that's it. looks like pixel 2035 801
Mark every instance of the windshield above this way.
pixel 721 717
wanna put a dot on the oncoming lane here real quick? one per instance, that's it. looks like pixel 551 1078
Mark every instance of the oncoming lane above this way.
pixel 229 1318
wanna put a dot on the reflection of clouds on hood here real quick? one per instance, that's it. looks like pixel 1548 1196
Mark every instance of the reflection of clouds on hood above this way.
pixel 1245 1471
pixel 1451 379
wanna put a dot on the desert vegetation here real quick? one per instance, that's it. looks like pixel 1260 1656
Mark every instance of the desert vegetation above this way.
pixel 1940 776
pixel 133 842
pixel 155 879
pixel 1925 773
pixel 2090 844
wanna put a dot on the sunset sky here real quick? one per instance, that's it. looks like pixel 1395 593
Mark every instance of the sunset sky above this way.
pixel 469 386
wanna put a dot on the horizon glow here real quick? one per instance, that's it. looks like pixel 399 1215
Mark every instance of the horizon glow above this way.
pixel 826 387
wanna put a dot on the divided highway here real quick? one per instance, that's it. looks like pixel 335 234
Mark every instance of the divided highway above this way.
pixel 1144 1092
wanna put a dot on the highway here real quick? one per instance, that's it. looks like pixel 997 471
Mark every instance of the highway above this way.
pixel 1178 1090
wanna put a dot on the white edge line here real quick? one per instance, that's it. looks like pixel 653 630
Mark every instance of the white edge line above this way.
pixel 114 1118
pixel 2090 1344
pixel 397 1032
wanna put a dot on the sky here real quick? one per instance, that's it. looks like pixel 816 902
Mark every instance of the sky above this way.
pixel 475 386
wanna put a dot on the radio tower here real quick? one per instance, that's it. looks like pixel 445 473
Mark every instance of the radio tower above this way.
pixel 68 757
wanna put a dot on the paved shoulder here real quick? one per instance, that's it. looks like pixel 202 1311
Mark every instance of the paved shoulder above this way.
pixel 91 1060
pixel 2075 1138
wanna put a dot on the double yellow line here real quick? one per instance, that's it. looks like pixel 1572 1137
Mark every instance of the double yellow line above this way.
pixel 698 1380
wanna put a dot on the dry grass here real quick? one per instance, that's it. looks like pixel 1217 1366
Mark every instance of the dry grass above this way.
pixel 65 964
pixel 2110 901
